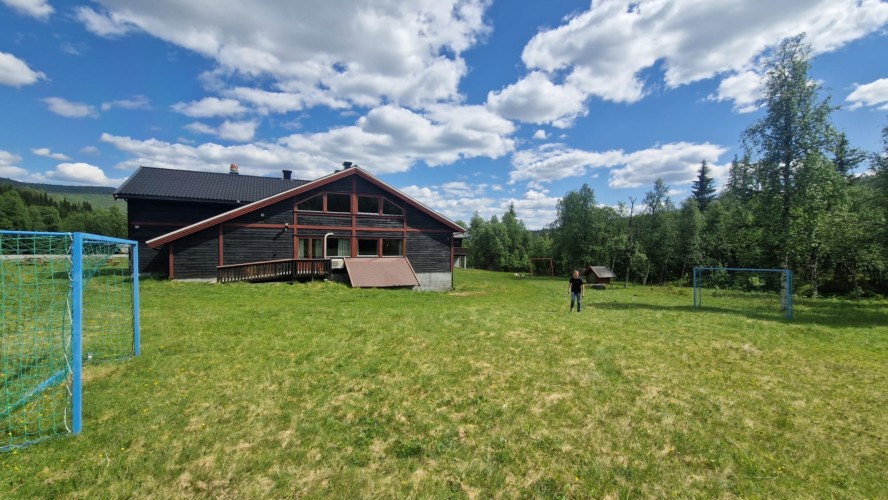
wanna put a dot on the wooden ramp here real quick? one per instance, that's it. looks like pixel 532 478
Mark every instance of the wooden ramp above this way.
pixel 275 270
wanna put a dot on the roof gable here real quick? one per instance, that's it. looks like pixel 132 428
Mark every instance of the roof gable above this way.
pixel 341 174
pixel 190 185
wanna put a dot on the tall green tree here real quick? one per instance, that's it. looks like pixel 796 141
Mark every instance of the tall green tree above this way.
pixel 796 126
pixel 821 190
pixel 659 237
pixel 574 236
pixel 703 189
pixel 691 225
pixel 845 157
pixel 880 169
pixel 517 242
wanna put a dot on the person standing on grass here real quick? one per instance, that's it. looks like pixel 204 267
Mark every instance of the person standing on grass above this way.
pixel 575 288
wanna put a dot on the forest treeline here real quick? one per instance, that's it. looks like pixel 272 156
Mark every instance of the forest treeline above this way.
pixel 25 209
pixel 792 201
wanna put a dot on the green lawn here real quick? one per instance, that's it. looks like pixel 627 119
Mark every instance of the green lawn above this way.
pixel 279 390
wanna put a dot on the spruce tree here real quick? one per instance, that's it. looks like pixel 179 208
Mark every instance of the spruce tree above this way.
pixel 703 188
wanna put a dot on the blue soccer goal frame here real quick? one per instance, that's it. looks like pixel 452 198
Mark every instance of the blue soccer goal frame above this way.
pixel 80 248
pixel 786 292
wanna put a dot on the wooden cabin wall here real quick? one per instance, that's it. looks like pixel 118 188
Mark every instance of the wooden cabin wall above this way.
pixel 429 252
pixel 247 244
pixel 158 217
pixel 196 255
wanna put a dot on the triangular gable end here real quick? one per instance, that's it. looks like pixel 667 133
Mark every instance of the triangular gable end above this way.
pixel 257 205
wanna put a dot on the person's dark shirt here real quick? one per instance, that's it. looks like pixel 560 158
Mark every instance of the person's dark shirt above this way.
pixel 576 285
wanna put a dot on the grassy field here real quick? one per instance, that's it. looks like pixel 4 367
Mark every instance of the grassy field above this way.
pixel 494 389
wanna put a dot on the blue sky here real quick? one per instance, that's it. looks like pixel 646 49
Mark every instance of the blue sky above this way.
pixel 466 105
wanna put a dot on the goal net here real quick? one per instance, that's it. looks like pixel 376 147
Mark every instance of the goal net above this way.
pixel 763 291
pixel 65 299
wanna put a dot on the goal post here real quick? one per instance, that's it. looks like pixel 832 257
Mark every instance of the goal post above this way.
pixel 731 287
pixel 65 299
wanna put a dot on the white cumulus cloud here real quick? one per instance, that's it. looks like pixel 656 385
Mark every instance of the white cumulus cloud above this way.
pixel 675 163
pixel 392 138
pixel 243 131
pixel 873 94
pixel 744 89
pixel 34 8
pixel 460 201
pixel 210 107
pixel 387 139
pixel 535 99
pixel 46 152
pixel 238 131
pixel 606 50
pixel 14 72
pixel 136 102
pixel 104 24
pixel 366 52
pixel 69 109
pixel 552 162
pixel 81 173
pixel 9 166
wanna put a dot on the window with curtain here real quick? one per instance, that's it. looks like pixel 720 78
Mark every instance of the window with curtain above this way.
pixel 338 247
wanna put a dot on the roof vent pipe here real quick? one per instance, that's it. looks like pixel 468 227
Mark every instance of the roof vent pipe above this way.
pixel 233 169
pixel 288 174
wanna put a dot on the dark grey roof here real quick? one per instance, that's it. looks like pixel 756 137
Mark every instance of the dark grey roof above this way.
pixel 601 272
pixel 171 184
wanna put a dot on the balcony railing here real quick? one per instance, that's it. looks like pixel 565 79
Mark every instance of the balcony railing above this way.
pixel 274 270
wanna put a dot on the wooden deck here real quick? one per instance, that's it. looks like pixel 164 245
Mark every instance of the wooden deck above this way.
pixel 275 270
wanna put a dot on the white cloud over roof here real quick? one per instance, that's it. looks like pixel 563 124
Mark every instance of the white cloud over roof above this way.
pixel 386 139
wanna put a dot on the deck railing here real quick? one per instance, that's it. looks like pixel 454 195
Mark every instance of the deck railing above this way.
pixel 272 270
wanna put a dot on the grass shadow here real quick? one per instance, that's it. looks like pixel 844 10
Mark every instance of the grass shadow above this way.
pixel 832 314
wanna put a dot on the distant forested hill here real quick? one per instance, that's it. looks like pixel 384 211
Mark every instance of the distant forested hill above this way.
pixel 45 207
pixel 96 196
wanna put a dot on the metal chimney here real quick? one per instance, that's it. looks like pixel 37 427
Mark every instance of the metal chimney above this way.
pixel 346 164
pixel 288 174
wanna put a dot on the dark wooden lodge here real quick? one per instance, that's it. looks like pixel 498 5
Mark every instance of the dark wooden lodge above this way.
pixel 196 225
pixel 160 200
